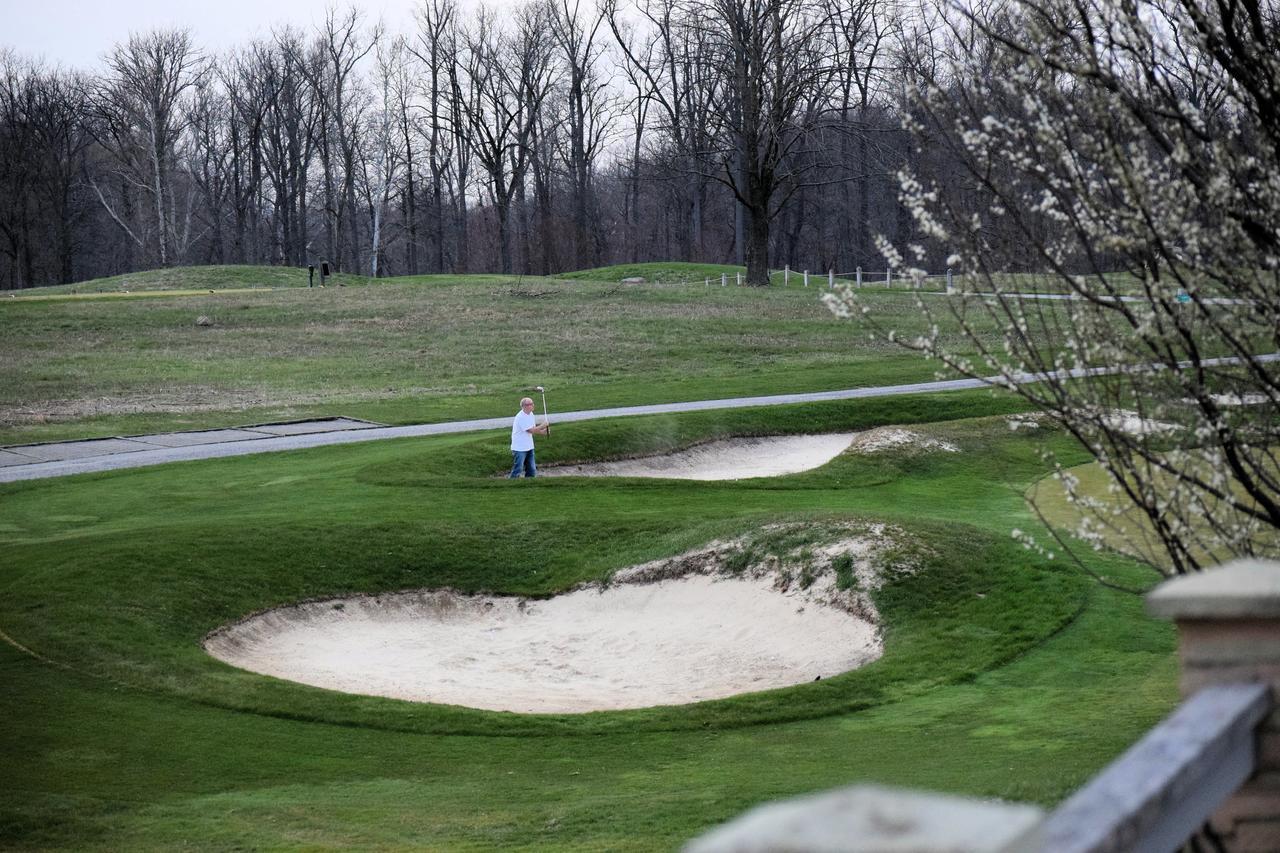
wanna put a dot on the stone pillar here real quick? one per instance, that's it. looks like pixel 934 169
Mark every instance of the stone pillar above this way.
pixel 872 819
pixel 1228 622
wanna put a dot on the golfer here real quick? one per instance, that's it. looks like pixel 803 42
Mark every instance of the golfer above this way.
pixel 522 430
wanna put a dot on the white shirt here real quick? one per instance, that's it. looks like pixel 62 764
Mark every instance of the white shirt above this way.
pixel 521 438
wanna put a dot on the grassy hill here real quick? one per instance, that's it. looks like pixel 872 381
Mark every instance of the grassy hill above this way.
pixel 418 349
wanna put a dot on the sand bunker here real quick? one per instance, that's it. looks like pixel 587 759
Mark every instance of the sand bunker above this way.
pixel 740 458
pixel 626 645
pixel 729 459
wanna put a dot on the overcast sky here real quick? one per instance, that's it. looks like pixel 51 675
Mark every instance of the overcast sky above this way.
pixel 76 33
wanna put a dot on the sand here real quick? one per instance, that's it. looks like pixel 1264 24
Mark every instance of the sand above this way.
pixel 628 645
pixel 741 458
pixel 729 459
pixel 670 632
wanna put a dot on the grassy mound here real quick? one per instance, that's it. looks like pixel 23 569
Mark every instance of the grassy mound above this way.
pixel 203 278
pixel 991 600
pixel 664 272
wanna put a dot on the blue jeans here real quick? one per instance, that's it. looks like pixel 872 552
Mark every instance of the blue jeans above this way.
pixel 523 460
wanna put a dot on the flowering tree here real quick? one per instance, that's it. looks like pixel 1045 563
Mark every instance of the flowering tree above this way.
pixel 1128 151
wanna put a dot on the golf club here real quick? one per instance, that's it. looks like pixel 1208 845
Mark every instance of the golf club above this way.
pixel 543 392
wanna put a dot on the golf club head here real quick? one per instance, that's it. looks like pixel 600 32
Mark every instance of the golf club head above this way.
pixel 539 388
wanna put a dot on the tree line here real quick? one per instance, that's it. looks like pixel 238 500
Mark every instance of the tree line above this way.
pixel 548 137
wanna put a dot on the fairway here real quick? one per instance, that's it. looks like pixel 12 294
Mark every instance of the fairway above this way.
pixel 423 349
pixel 1002 674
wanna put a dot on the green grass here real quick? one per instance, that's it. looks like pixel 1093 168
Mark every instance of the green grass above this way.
pixel 1126 529
pixel 179 278
pixel 411 350
pixel 659 273
pixel 1005 675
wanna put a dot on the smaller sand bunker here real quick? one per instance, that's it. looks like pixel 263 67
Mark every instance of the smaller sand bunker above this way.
pixel 670 632
pixel 728 459
pixel 742 458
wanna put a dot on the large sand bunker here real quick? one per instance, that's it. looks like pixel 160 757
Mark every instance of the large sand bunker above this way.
pixel 651 639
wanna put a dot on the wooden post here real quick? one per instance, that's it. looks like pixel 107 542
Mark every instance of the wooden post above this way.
pixel 786 275
pixel 806 278
pixel 722 279
pixel 950 288
pixel 831 279
pixel 859 276
pixel 739 275
pixel 888 278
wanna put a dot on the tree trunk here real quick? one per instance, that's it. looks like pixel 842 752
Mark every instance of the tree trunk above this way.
pixel 757 253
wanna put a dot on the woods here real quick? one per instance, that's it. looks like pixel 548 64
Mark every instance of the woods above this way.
pixel 559 135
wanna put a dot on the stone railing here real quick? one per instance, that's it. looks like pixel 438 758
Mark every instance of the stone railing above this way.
pixel 1216 759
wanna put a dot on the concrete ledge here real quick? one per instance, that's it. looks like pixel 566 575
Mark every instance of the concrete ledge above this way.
pixel 871 819
pixel 1241 589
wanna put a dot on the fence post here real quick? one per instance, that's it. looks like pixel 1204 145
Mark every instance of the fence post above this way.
pixel 806 278
pixel 786 275
pixel 950 289
pixel 722 279
pixel 831 279
pixel 888 278
pixel 1228 622
pixel 859 276
pixel 739 275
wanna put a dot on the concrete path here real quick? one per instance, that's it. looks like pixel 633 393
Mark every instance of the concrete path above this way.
pixel 59 459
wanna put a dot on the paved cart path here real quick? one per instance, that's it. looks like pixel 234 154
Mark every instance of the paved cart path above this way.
pixel 59 459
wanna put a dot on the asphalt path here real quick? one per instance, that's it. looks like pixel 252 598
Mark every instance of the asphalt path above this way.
pixel 142 451
pixel 119 454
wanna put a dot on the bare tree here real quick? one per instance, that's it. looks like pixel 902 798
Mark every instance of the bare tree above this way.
pixel 44 147
pixel 436 46
pixel 340 46
pixel 137 117
pixel 858 36
pixel 386 159
pixel 208 153
pixel 589 111
pixel 1133 149
pixel 249 102
pixel 775 75
pixel 509 76
pixel 671 64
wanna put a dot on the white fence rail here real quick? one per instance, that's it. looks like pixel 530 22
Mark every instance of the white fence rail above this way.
pixel 787 277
